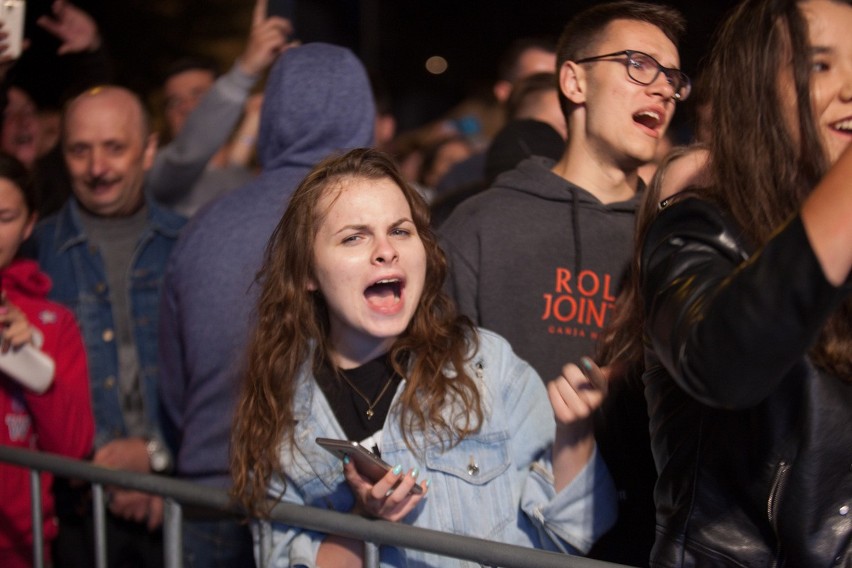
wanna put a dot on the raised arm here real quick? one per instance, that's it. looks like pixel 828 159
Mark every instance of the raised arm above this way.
pixel 180 163
pixel 827 217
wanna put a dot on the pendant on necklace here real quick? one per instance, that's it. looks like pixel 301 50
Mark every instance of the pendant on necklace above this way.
pixel 369 414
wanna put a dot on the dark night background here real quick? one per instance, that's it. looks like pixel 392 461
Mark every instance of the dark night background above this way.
pixel 392 37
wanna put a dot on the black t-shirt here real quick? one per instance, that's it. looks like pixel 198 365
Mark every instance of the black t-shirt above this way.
pixel 373 380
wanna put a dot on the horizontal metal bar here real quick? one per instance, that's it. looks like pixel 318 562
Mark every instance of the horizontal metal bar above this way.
pixel 383 532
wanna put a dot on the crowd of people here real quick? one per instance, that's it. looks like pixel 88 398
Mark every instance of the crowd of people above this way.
pixel 567 336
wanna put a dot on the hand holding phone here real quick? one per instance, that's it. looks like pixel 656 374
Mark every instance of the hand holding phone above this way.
pixel 12 17
pixel 366 462
pixel 19 358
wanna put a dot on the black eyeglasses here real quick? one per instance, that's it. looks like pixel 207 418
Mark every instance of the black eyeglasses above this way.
pixel 644 69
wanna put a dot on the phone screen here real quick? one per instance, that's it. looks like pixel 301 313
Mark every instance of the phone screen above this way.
pixel 12 16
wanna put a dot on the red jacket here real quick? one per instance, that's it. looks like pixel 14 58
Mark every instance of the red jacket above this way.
pixel 58 421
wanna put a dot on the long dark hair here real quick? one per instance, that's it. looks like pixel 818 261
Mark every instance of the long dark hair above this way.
pixel 293 326
pixel 759 171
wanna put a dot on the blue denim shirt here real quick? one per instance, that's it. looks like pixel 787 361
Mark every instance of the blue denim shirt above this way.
pixel 79 282
pixel 507 497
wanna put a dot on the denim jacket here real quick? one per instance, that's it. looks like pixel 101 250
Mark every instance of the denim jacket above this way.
pixel 79 282
pixel 496 484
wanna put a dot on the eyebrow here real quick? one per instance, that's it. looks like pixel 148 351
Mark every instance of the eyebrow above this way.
pixel 363 227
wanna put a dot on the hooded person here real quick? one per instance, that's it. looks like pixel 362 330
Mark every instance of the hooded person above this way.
pixel 317 102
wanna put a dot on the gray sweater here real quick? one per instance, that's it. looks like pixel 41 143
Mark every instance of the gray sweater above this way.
pixel 539 261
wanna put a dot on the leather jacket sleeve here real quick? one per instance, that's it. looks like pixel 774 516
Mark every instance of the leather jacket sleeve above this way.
pixel 726 324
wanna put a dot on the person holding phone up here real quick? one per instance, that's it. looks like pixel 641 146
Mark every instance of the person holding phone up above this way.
pixel 356 339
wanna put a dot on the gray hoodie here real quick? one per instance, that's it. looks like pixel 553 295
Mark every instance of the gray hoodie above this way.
pixel 539 261
pixel 317 102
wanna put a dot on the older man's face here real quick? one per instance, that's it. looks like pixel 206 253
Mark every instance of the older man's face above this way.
pixel 107 152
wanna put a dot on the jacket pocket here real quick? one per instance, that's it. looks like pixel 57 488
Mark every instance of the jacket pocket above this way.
pixel 474 481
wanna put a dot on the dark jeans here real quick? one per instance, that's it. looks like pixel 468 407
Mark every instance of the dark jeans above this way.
pixel 129 544
pixel 224 543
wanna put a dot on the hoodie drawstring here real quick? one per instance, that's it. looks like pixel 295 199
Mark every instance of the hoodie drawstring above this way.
pixel 575 224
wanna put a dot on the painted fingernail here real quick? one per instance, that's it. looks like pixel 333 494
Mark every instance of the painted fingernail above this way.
pixel 346 458
pixel 388 494
pixel 587 364
pixel 415 472
pixel 428 483
pixel 397 469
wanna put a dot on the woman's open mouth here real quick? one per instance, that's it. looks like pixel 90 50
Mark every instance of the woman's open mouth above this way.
pixel 384 294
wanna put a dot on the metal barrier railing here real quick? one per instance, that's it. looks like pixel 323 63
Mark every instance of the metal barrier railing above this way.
pixel 178 493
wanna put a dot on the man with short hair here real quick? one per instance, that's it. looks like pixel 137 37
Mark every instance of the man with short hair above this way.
pixel 540 256
pixel 105 251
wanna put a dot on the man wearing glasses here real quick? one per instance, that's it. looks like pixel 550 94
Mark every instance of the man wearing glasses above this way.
pixel 540 256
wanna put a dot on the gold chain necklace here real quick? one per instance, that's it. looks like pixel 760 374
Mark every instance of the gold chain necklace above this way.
pixel 370 405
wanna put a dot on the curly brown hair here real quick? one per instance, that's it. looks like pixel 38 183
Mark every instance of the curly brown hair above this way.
pixel 293 329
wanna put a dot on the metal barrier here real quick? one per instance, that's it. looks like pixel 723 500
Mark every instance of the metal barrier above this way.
pixel 178 493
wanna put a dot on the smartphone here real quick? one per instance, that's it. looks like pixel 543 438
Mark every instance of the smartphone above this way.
pixel 369 464
pixel 281 8
pixel 12 16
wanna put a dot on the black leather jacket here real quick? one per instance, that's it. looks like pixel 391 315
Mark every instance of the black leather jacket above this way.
pixel 752 443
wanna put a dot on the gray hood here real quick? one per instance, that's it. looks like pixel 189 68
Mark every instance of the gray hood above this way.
pixel 317 101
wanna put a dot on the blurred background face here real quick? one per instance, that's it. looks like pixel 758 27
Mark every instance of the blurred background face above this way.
pixel 20 135
pixel 107 152
pixel 183 91
pixel 535 61
pixel 530 62
pixel 16 222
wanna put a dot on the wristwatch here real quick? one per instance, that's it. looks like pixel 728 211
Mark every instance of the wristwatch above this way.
pixel 159 458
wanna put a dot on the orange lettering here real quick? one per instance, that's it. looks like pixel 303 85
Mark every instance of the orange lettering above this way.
pixel 585 276
pixel 607 295
pixel 596 314
pixel 563 276
pixel 557 308
pixel 548 305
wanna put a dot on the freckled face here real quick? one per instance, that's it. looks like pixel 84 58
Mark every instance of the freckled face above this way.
pixel 369 264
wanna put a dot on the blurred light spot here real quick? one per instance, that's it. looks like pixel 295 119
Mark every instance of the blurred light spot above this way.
pixel 436 65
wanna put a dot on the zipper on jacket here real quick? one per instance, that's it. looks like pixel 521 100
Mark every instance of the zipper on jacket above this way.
pixel 776 489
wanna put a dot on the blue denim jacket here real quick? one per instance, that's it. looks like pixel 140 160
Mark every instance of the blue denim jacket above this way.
pixel 508 496
pixel 79 282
